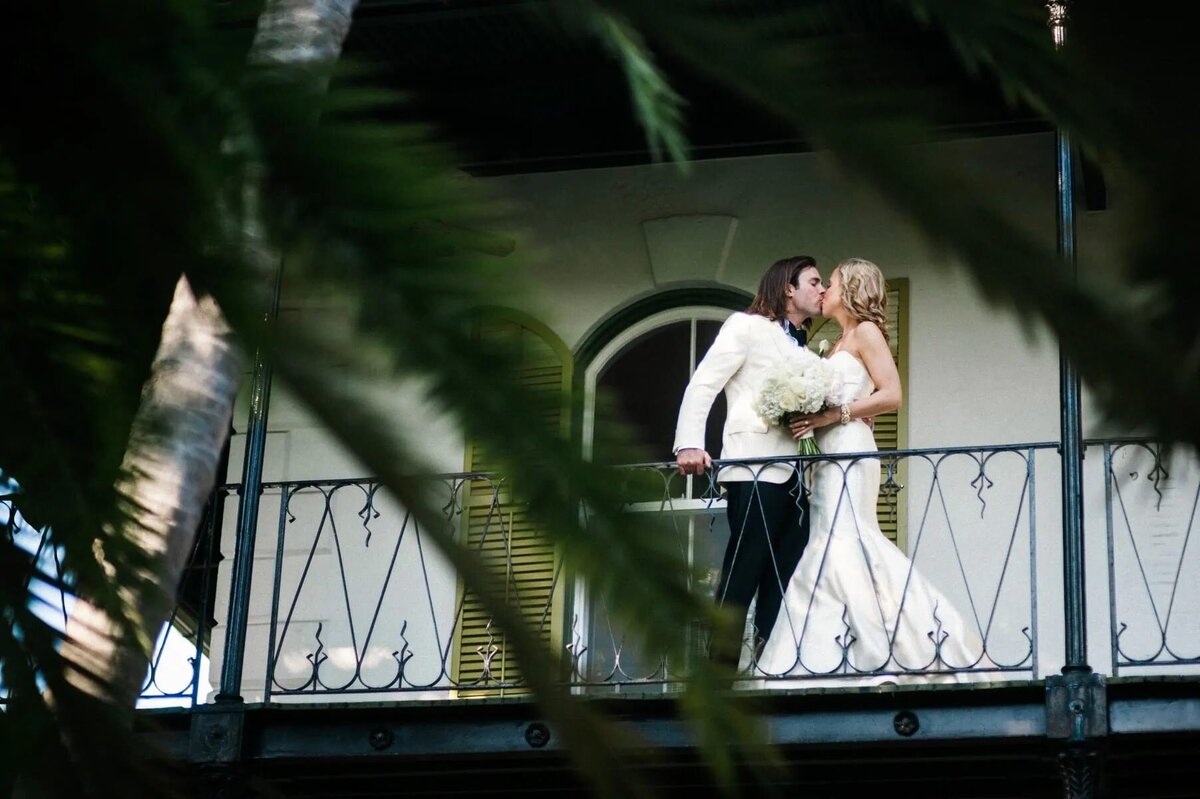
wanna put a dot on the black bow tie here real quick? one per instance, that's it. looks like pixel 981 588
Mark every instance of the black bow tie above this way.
pixel 800 334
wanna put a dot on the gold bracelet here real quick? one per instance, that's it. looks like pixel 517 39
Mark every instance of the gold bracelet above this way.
pixel 846 413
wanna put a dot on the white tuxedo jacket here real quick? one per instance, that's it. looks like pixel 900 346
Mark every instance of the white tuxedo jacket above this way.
pixel 741 357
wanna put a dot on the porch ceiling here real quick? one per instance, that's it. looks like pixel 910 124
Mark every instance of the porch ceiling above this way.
pixel 516 93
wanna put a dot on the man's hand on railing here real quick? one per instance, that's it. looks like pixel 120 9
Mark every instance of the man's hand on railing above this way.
pixel 692 460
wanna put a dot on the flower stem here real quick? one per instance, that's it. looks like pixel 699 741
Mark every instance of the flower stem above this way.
pixel 808 446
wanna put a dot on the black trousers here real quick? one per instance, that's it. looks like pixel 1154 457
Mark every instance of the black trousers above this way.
pixel 768 530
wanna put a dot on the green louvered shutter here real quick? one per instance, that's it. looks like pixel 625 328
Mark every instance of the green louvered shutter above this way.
pixel 519 557
pixel 891 429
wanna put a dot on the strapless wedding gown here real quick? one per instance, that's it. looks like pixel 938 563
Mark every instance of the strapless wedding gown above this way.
pixel 855 604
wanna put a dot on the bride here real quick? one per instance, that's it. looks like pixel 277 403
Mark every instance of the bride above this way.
pixel 855 604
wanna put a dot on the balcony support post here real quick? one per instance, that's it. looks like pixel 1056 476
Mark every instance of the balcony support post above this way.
pixel 247 519
pixel 1076 702
pixel 1071 425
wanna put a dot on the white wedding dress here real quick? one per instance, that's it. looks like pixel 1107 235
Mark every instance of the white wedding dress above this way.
pixel 856 606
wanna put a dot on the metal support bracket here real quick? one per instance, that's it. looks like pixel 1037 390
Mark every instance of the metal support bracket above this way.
pixel 217 733
pixel 1076 706
pixel 1077 715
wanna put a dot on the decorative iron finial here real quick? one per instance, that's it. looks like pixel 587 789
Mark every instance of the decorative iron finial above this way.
pixel 1058 20
pixel 487 653
pixel 576 648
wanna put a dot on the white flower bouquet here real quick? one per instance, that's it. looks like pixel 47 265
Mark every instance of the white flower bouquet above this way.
pixel 797 386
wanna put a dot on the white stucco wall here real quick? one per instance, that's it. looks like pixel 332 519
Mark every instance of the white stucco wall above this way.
pixel 584 253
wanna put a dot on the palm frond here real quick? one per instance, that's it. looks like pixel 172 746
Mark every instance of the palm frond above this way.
pixel 657 106
pixel 106 199
pixel 369 207
pixel 366 208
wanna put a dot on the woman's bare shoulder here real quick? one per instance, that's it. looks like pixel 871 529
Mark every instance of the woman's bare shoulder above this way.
pixel 869 331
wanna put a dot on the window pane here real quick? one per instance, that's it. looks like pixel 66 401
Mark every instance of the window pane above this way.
pixel 646 382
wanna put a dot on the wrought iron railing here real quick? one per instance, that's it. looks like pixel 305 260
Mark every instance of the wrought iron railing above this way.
pixel 177 673
pixel 969 525
pixel 1151 496
pixel 43 584
pixel 355 600
pixel 350 599
pixel 396 636
pixel 174 676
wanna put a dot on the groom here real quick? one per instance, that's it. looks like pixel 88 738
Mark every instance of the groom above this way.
pixel 767 508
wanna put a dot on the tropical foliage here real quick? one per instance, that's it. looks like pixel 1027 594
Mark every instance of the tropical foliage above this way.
pixel 137 146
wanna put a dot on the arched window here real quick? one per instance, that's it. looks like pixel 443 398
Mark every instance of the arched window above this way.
pixel 643 367
pixel 644 371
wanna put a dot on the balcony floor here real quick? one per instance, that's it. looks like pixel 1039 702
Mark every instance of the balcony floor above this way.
pixel 971 741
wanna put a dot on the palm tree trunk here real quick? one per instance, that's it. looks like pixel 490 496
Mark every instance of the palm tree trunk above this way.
pixel 166 477
pixel 295 33
pixel 180 428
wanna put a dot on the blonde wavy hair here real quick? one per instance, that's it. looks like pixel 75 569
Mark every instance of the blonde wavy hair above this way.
pixel 864 292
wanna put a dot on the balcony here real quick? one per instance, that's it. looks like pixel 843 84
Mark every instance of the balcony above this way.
pixel 362 643
pixel 349 601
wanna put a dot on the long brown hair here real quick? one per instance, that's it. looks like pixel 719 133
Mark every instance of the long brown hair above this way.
pixel 771 299
pixel 864 292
